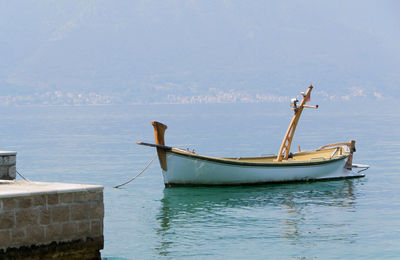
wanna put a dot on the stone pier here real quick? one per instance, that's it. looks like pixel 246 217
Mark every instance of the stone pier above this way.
pixel 50 220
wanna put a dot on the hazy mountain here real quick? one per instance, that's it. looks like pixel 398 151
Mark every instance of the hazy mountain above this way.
pixel 149 51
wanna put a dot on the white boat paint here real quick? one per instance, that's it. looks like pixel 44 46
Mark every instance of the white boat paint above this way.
pixel 197 170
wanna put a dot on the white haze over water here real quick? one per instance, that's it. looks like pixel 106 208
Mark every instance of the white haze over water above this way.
pixel 124 52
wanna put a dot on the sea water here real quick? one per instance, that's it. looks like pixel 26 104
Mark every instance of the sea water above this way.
pixel 357 218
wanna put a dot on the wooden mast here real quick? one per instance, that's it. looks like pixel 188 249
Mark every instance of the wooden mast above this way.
pixel 283 153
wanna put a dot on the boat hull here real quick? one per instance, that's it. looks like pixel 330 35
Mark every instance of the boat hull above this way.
pixel 197 171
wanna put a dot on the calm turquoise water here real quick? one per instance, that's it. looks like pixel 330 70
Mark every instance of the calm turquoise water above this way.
pixel 324 220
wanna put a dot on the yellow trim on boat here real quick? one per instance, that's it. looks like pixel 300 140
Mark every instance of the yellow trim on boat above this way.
pixel 297 158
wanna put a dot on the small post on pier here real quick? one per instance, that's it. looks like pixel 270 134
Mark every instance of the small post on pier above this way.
pixel 7 165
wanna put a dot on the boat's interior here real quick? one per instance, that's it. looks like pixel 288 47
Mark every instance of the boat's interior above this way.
pixel 325 154
pixel 322 154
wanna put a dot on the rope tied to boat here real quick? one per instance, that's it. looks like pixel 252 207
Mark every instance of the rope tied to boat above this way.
pixel 25 179
pixel 144 169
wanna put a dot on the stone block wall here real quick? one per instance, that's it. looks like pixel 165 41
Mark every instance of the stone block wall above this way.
pixel 43 219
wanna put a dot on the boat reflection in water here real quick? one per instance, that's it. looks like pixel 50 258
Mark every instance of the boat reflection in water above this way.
pixel 201 220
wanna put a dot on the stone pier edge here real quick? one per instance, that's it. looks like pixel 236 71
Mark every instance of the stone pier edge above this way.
pixel 33 215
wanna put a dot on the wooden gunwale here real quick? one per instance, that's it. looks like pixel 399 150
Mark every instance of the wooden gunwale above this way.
pixel 235 161
pixel 232 161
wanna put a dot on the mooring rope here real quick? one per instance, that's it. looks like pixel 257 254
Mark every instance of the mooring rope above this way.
pixel 145 168
pixel 22 176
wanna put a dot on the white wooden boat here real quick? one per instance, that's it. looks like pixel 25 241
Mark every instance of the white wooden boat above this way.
pixel 333 161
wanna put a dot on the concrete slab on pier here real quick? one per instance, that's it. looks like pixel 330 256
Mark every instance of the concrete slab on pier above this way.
pixel 24 188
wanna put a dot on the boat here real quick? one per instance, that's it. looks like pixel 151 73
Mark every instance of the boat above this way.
pixel 182 167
